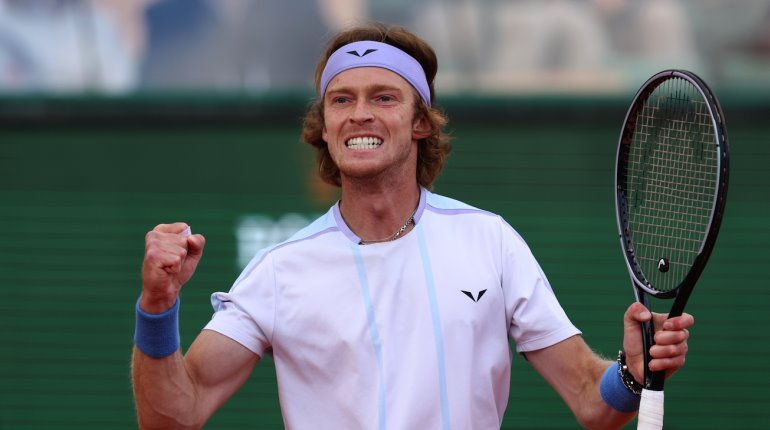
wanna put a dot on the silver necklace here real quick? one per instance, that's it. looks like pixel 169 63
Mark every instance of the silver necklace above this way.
pixel 394 236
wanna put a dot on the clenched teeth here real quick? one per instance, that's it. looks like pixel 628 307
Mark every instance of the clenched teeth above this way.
pixel 363 143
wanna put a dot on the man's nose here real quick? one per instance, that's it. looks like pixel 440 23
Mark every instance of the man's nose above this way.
pixel 362 112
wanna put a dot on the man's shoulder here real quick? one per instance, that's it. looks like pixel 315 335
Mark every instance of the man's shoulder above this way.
pixel 300 240
pixel 440 203
pixel 321 225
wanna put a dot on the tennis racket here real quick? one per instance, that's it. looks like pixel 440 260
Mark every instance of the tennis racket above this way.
pixel 671 184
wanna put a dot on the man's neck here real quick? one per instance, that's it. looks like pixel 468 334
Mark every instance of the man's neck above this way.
pixel 377 213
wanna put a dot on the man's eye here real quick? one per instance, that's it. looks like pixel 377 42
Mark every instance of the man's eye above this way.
pixel 339 100
pixel 386 98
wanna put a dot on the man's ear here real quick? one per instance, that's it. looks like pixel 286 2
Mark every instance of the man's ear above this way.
pixel 421 128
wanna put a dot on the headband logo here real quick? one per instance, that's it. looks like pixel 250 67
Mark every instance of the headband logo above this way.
pixel 367 52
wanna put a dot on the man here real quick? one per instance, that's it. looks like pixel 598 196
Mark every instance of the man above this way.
pixel 394 309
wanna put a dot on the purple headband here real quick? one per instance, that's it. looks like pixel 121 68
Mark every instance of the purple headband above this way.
pixel 376 54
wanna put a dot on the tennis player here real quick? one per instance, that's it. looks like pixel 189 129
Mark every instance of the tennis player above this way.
pixel 393 310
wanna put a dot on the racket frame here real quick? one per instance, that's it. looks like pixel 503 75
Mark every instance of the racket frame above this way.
pixel 643 290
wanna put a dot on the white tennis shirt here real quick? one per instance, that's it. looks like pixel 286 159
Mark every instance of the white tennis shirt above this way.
pixel 408 334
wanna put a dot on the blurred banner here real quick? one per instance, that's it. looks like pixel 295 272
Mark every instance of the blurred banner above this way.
pixel 498 46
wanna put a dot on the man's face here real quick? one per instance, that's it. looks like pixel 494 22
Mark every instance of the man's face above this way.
pixel 370 126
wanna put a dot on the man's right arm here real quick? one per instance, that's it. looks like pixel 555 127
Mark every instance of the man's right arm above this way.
pixel 181 392
pixel 173 391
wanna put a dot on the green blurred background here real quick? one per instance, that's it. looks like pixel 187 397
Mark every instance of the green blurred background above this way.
pixel 83 179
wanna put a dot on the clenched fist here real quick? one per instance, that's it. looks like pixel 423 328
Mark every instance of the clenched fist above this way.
pixel 171 255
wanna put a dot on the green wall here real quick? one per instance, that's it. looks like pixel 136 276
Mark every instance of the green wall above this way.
pixel 82 180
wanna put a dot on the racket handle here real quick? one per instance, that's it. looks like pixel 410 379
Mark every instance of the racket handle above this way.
pixel 650 410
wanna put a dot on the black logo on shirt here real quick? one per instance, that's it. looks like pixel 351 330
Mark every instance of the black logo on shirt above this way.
pixel 477 298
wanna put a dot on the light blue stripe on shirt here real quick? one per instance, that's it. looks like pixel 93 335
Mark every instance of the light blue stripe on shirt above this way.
pixel 437 332
pixel 373 332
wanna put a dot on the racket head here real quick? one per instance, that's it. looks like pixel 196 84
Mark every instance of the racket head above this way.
pixel 671 181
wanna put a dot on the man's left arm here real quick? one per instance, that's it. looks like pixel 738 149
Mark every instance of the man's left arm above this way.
pixel 576 372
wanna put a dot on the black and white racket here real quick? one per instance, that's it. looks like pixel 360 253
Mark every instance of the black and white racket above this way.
pixel 671 184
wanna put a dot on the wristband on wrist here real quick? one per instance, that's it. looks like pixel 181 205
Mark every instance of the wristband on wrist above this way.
pixel 618 387
pixel 157 335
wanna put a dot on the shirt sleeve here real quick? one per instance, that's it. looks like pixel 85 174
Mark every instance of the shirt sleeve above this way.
pixel 246 313
pixel 536 318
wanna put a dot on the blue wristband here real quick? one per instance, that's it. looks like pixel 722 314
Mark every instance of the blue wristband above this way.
pixel 615 393
pixel 157 335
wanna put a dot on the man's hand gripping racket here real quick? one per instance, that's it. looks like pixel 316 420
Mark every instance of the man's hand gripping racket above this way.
pixel 671 185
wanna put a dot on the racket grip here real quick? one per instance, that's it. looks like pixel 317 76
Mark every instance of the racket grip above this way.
pixel 650 411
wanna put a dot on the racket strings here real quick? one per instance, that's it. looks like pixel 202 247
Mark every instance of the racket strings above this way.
pixel 671 176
